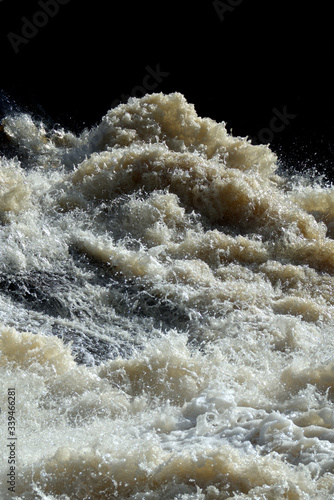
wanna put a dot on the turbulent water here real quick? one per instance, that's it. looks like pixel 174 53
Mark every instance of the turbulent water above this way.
pixel 167 312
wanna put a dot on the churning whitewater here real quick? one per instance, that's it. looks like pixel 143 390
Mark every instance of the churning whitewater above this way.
pixel 166 309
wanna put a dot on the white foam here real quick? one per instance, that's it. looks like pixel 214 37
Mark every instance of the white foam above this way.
pixel 195 285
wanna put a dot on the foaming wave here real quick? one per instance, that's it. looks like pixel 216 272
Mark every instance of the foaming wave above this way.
pixel 167 310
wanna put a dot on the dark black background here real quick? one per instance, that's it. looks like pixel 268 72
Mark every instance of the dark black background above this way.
pixel 261 56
